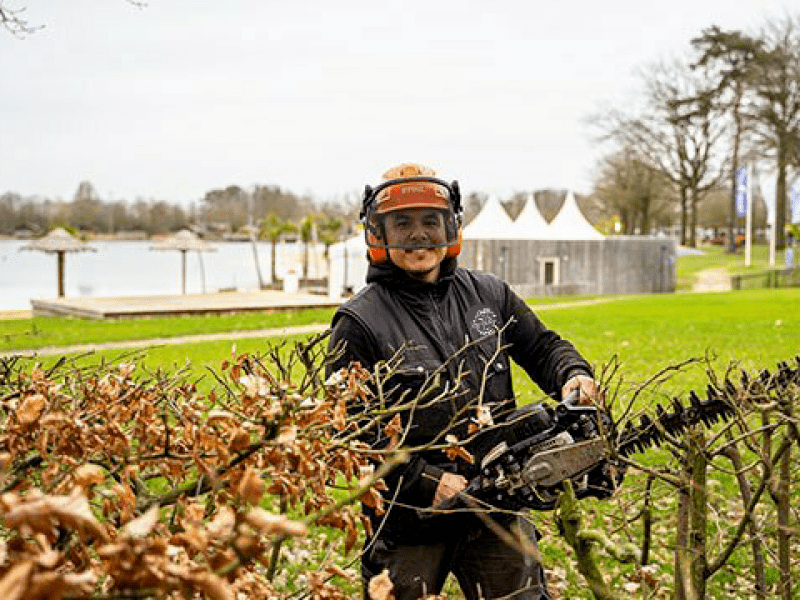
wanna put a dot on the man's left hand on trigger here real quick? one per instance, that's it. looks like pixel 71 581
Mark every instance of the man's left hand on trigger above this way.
pixel 591 392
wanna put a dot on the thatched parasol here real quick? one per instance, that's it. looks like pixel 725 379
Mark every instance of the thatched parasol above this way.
pixel 184 241
pixel 59 242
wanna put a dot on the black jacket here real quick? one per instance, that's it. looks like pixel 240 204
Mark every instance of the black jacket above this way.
pixel 466 326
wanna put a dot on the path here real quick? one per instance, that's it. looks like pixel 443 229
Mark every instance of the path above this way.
pixel 712 280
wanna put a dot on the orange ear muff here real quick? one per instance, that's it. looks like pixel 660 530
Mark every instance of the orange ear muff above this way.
pixel 455 250
pixel 375 250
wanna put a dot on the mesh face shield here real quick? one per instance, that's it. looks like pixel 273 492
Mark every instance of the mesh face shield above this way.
pixel 411 193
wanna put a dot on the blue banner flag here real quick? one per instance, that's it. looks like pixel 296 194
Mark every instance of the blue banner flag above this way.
pixel 795 205
pixel 741 191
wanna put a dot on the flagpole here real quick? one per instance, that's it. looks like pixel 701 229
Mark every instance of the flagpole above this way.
pixel 748 227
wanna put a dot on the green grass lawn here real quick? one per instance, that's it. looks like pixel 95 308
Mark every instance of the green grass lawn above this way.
pixel 756 328
pixel 38 332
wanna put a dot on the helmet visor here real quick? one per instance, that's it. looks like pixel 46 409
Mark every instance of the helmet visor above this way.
pixel 413 228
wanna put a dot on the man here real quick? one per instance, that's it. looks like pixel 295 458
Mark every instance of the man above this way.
pixel 430 315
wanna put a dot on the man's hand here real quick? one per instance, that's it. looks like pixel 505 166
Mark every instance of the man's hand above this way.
pixel 449 485
pixel 591 392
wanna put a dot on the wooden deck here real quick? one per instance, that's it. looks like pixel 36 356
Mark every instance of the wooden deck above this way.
pixel 130 307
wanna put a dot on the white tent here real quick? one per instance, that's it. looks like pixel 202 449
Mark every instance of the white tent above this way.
pixel 348 266
pixel 570 224
pixel 529 224
pixel 492 223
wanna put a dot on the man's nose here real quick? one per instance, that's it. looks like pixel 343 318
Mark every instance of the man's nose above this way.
pixel 418 232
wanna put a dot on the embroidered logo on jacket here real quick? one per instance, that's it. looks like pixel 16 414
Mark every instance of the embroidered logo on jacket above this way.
pixel 482 321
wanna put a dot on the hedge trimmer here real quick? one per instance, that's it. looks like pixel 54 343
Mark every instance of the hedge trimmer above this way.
pixel 524 461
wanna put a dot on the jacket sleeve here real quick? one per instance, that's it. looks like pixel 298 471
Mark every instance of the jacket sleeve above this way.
pixel 548 359
pixel 351 342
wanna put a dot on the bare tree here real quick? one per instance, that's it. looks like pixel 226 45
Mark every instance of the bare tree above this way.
pixel 634 191
pixel 776 77
pixel 726 58
pixel 677 131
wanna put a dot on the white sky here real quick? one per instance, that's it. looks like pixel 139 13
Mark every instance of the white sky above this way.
pixel 321 96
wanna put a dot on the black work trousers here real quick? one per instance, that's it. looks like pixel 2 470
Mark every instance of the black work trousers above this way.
pixel 484 564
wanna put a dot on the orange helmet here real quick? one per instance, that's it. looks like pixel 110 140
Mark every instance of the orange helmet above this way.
pixel 410 185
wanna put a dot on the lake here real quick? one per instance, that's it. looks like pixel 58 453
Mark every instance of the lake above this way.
pixel 131 268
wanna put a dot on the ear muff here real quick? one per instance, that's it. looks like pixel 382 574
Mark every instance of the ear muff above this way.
pixel 455 249
pixel 376 252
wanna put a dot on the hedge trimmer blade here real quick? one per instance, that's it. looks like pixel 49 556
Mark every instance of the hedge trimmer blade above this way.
pixel 717 406
pixel 651 432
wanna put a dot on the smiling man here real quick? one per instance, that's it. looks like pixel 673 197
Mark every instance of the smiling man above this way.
pixel 466 326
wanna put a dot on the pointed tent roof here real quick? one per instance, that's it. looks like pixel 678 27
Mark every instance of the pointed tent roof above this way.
pixel 570 224
pixel 492 223
pixel 529 224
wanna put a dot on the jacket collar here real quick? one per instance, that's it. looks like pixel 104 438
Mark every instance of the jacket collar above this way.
pixel 392 276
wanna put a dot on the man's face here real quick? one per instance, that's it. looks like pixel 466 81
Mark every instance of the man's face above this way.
pixel 422 231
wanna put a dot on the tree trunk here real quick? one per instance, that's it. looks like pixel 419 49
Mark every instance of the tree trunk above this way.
pixel 784 524
pixel 698 513
pixel 683 215
pixel 780 195
pixel 568 516
pixel 682 586
pixel 693 219
pixel 759 574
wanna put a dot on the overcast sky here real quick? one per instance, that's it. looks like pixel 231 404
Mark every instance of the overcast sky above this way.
pixel 321 96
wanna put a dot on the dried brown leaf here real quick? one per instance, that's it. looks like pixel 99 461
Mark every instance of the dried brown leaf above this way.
pixel 41 515
pixel 240 440
pixel 337 571
pixel 212 586
pixel 456 450
pixel 251 487
pixel 340 415
pixel 141 526
pixel 223 522
pixel 393 430
pixel 86 476
pixel 52 584
pixel 31 409
pixel 16 581
pixel 271 524
pixel 287 435
pixel 381 587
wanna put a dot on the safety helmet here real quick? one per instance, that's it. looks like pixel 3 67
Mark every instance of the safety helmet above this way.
pixel 410 185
